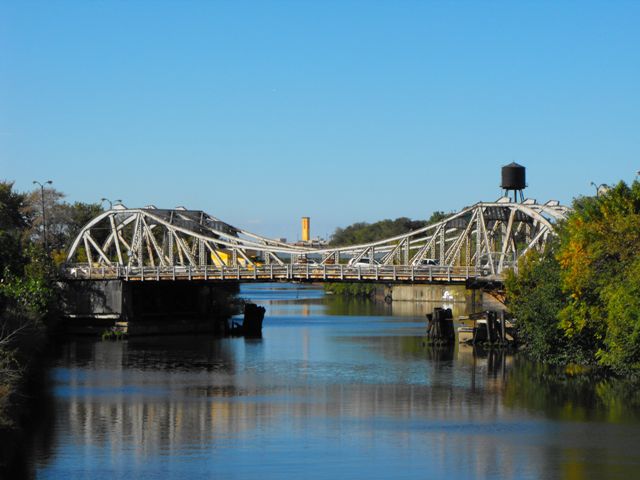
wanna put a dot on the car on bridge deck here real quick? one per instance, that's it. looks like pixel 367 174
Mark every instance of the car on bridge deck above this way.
pixel 363 262
pixel 427 262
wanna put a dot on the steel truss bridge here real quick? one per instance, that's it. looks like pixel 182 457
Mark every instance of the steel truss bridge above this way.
pixel 151 244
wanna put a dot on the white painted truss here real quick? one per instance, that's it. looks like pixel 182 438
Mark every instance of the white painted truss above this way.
pixel 487 237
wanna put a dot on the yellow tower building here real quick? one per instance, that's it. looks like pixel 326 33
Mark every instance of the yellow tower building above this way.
pixel 305 229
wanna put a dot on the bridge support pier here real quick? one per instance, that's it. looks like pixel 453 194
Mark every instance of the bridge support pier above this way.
pixel 415 299
pixel 146 308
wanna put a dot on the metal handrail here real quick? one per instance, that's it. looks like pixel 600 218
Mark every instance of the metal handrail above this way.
pixel 306 271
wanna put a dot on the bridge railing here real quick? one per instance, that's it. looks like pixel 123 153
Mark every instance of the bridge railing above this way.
pixel 295 272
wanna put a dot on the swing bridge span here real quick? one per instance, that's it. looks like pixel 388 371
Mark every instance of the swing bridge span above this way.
pixel 480 242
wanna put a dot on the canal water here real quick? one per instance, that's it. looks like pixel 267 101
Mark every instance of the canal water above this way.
pixel 335 389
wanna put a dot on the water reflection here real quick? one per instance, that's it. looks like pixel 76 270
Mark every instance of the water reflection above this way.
pixel 572 398
pixel 36 436
pixel 334 388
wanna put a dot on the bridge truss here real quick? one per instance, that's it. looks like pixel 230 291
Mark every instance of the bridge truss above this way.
pixel 156 244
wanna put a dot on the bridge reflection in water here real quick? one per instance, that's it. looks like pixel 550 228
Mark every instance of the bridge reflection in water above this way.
pixel 351 396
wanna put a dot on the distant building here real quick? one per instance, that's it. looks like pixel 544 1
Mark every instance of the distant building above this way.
pixel 307 241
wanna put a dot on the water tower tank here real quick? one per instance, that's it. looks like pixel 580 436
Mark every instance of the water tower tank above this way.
pixel 513 177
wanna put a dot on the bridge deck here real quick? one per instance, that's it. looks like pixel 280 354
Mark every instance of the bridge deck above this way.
pixel 315 273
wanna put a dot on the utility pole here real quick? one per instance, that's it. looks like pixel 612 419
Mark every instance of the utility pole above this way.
pixel 44 215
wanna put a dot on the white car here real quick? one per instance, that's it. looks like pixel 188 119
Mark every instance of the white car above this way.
pixel 427 262
pixel 363 262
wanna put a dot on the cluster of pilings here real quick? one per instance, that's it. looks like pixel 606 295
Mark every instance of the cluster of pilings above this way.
pixel 440 329
pixel 491 329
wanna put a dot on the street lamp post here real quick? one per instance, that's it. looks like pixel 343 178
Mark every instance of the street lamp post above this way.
pixel 110 202
pixel 599 188
pixel 44 215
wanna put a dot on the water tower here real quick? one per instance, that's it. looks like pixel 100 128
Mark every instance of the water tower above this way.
pixel 514 181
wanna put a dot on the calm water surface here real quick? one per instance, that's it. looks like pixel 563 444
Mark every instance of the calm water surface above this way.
pixel 335 389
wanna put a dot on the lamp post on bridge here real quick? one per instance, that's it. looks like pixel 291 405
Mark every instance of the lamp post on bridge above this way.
pixel 110 202
pixel 44 216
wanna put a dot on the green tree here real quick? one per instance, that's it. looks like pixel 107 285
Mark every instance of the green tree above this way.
pixel 14 221
pixel 535 298
pixel 622 339
pixel 27 276
pixel 64 220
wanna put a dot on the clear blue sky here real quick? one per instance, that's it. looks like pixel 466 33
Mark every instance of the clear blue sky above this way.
pixel 262 112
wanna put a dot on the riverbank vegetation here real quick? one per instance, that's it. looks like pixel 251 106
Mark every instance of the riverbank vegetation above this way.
pixel 579 301
pixel 29 296
pixel 27 293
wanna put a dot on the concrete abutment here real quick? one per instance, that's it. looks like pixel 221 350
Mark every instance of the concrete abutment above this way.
pixel 91 307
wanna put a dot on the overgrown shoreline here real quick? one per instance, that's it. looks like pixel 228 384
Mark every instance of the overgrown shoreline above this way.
pixel 28 297
pixel 578 302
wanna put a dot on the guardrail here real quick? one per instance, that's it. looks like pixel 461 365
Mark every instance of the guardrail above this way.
pixel 296 272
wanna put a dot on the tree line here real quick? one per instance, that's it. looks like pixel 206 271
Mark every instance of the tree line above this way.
pixel 363 232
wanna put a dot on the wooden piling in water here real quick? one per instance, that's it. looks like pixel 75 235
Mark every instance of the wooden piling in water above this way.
pixel 490 329
pixel 440 327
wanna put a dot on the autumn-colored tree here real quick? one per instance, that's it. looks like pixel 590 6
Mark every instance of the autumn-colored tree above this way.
pixel 600 265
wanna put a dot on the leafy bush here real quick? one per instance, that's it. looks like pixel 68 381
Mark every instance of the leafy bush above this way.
pixel 535 299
